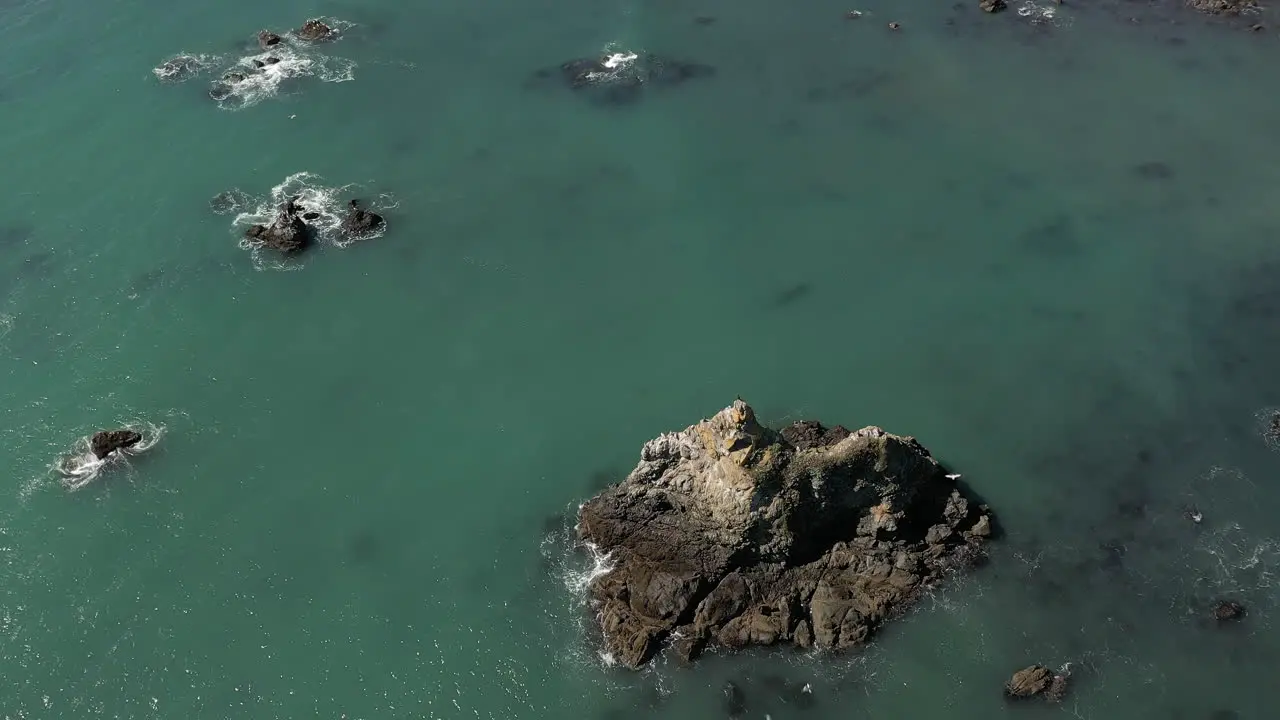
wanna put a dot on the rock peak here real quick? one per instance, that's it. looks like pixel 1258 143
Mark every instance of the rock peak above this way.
pixel 731 533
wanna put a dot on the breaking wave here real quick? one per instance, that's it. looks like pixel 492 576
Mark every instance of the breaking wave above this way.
pixel 328 203
pixel 184 67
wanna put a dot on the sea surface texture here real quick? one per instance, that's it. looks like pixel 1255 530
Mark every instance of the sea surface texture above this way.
pixel 1041 241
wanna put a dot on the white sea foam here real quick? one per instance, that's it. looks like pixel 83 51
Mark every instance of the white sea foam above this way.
pixel 329 203
pixel 81 467
pixel 185 66
pixel 269 80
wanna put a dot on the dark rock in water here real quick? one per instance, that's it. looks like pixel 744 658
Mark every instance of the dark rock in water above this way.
pixel 1154 170
pixel 360 221
pixel 1037 681
pixel 268 39
pixel 286 234
pixel 315 30
pixel 1224 7
pixel 704 20
pixel 226 85
pixel 1228 610
pixel 992 6
pixel 620 76
pixel 259 64
pixel 108 441
pixel 727 533
pixel 310 215
pixel 735 701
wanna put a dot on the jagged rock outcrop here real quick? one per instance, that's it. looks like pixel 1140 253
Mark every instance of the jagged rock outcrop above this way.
pixel 287 233
pixel 730 533
pixel 105 442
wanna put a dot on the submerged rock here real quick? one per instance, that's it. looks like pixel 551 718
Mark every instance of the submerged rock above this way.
pixel 315 30
pixel 359 221
pixel 106 442
pixel 179 68
pixel 620 76
pixel 1037 681
pixel 732 534
pixel 287 233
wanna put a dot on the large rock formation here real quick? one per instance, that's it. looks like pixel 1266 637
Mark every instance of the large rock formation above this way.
pixel 734 534
pixel 287 233
pixel 105 442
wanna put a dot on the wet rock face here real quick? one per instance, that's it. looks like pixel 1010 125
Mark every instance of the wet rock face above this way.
pixel 732 534
pixel 106 442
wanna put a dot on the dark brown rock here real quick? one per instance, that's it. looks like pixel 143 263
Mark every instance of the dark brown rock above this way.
pixel 1228 610
pixel 808 434
pixel 316 30
pixel 992 6
pixel 732 534
pixel 106 442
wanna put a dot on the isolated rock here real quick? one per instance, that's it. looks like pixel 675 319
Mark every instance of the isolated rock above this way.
pixel 730 533
pixel 620 77
pixel 315 30
pixel 1228 610
pixel 992 6
pixel 1037 681
pixel 287 233
pixel 359 221
pixel 106 442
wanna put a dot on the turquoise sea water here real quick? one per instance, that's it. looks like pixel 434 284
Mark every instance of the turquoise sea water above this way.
pixel 1047 251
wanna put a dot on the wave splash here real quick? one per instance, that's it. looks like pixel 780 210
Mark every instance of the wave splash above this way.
pixel 325 207
pixel 264 73
pixel 81 467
